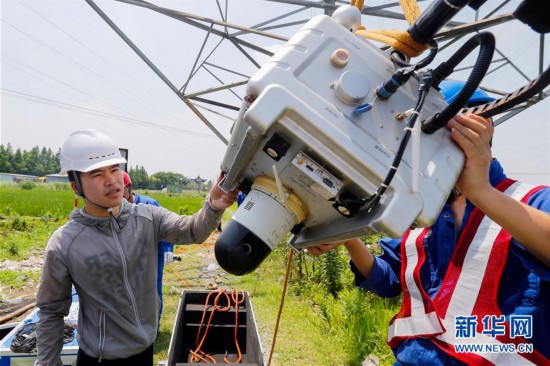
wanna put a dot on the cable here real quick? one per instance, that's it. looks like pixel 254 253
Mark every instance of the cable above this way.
pixel 433 47
pixel 198 355
pixel 486 43
pixel 142 102
pixel 388 88
pixel 289 262
pixel 423 88
pixel 24 340
pixel 55 103
pixel 237 301
pixel 18 62
pixel 177 275
pixel 118 69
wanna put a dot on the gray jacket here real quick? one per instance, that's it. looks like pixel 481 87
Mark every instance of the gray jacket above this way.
pixel 114 273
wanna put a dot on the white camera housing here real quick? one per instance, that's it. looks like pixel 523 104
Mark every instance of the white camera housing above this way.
pixel 301 126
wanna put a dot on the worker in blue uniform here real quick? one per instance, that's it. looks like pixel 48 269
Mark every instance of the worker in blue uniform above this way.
pixel 476 284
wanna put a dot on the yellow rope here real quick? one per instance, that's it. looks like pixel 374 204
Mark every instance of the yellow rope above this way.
pixel 410 10
pixel 358 4
pixel 177 275
pixel 399 40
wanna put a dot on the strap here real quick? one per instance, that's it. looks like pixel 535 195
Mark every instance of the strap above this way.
pixel 399 40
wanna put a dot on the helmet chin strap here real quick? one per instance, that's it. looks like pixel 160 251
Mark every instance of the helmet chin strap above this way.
pixel 96 205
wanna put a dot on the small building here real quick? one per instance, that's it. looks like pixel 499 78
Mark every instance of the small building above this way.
pixel 62 178
pixel 16 178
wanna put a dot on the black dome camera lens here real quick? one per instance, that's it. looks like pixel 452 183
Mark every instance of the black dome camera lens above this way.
pixel 238 251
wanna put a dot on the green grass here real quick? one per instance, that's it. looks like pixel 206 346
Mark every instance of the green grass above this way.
pixel 23 236
pixel 16 280
pixel 315 328
pixel 184 204
pixel 325 321
pixel 37 202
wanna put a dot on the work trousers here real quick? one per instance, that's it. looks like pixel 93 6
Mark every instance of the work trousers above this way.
pixel 145 358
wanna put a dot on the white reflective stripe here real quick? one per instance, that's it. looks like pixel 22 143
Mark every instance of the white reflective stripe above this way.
pixel 412 326
pixel 419 322
pixel 473 270
pixel 497 358
pixel 417 303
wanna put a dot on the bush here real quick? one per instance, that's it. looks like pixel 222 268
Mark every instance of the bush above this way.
pixel 18 224
pixel 58 186
pixel 27 185
pixel 13 249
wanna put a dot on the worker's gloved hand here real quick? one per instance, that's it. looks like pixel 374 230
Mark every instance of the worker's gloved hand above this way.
pixel 168 257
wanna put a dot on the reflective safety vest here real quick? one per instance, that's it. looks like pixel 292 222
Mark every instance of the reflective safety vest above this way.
pixel 469 288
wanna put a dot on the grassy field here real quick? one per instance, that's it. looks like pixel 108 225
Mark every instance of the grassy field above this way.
pixel 325 321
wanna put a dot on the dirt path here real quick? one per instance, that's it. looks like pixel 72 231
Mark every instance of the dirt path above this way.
pixel 14 299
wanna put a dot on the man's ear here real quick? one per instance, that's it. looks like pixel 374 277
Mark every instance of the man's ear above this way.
pixel 73 186
pixel 76 185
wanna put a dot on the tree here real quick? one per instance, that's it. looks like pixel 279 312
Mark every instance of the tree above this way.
pixel 44 162
pixel 55 164
pixel 5 165
pixel 34 162
pixel 139 177
pixel 19 165
pixel 10 157
pixel 168 178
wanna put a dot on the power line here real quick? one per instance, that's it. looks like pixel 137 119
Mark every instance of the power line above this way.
pixel 58 104
pixel 142 102
pixel 107 61
pixel 15 62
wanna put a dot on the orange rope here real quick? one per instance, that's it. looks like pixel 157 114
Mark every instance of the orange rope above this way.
pixel 197 355
pixel 235 298
pixel 281 305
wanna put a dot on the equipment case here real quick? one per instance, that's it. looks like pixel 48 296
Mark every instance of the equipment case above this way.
pixel 220 338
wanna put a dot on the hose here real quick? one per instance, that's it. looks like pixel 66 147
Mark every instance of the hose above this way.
pixel 486 43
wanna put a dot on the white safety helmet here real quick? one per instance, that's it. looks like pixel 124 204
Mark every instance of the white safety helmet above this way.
pixel 86 150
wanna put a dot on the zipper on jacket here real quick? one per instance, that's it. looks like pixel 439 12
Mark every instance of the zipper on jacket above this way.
pixel 126 282
pixel 102 335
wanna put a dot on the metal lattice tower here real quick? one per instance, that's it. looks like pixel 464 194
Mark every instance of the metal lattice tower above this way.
pixel 230 52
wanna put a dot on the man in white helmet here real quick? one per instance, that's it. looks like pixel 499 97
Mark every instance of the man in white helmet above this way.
pixel 108 252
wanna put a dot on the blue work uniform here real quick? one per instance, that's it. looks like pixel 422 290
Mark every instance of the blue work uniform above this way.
pixel 524 288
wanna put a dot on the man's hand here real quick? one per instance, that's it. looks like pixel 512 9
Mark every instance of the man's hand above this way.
pixel 321 249
pixel 358 251
pixel 473 134
pixel 220 200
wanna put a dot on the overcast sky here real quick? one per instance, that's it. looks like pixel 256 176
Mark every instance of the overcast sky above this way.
pixel 63 69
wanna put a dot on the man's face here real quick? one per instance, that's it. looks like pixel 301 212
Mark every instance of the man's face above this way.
pixel 103 186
